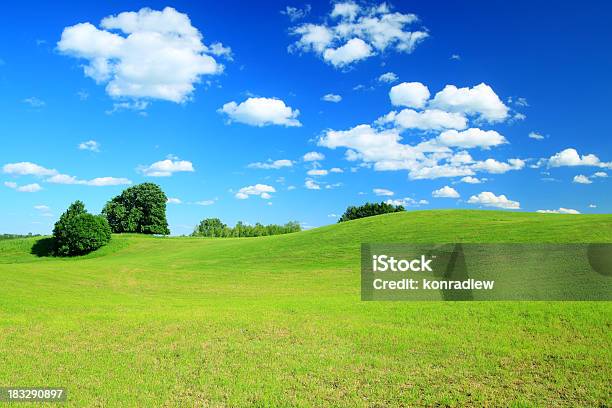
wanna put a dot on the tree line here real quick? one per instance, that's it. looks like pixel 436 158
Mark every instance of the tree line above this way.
pixel 215 228
pixel 369 210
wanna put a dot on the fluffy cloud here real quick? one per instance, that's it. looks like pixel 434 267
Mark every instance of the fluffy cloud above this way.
pixel 205 202
pixel 27 188
pixel 388 77
pixel 261 112
pixel 410 94
pixel 406 202
pixel 535 135
pixel 313 156
pixel 471 180
pixel 53 176
pixel 27 168
pixel 295 13
pixel 471 138
pixel 174 200
pixel 495 167
pixel 489 199
pixel 165 168
pixel 144 54
pixel 276 164
pixel 560 211
pixel 336 170
pixel 600 174
pixel 582 179
pixel 479 100
pixel 331 98
pixel 91 145
pixel 570 157
pixel 429 119
pixel 445 192
pixel 310 184
pixel 354 32
pixel 383 192
pixel 354 50
pixel 261 190
pixel 317 172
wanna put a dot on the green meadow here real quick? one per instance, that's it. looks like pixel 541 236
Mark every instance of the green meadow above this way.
pixel 278 321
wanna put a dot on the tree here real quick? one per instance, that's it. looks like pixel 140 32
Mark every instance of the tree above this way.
pixel 77 232
pixel 213 227
pixel 368 210
pixel 141 209
pixel 210 227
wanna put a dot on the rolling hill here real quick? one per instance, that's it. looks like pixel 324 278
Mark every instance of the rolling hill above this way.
pixel 278 321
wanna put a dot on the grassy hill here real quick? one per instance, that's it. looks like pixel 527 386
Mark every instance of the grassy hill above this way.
pixel 278 321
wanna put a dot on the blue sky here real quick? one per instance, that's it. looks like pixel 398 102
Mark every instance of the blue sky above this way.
pixel 193 97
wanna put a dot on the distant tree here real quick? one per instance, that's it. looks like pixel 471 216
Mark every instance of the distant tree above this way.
pixel 368 210
pixel 210 227
pixel 213 227
pixel 77 232
pixel 141 209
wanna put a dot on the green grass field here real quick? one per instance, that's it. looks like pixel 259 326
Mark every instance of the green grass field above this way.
pixel 278 321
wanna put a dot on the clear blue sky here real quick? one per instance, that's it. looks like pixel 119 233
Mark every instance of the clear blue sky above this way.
pixel 153 97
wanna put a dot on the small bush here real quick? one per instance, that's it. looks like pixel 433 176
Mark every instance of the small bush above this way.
pixel 368 210
pixel 77 232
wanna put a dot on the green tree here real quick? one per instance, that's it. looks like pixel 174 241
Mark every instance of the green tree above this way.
pixel 77 232
pixel 210 227
pixel 141 209
pixel 369 210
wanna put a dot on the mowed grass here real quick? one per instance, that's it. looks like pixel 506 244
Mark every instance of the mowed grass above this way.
pixel 278 321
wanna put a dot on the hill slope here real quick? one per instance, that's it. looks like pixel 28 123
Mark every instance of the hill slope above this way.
pixel 278 319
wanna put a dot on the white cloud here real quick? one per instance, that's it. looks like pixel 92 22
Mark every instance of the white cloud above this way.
pixel 445 192
pixel 310 184
pixel 570 157
pixel 34 102
pixel 90 145
pixel 406 202
pixel 479 100
pixel 383 192
pixel 388 77
pixel 27 168
pixel 602 174
pixel 276 164
pixel 205 202
pixel 174 200
pixel 165 168
pixel 144 54
pixel 317 172
pixel 27 188
pixel 261 190
pixel 410 94
pixel 496 167
pixel 332 98
pixel 489 199
pixel 455 57
pixel 313 156
pixel 295 13
pixel 471 180
pixel 354 32
pixel 471 138
pixel 96 182
pixel 592 206
pixel 355 49
pixel 560 211
pixel 107 181
pixel 336 170
pixel 582 179
pixel 42 207
pixel 535 135
pixel 261 112
pixel 429 119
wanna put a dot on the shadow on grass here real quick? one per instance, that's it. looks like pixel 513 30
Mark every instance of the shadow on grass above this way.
pixel 43 247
